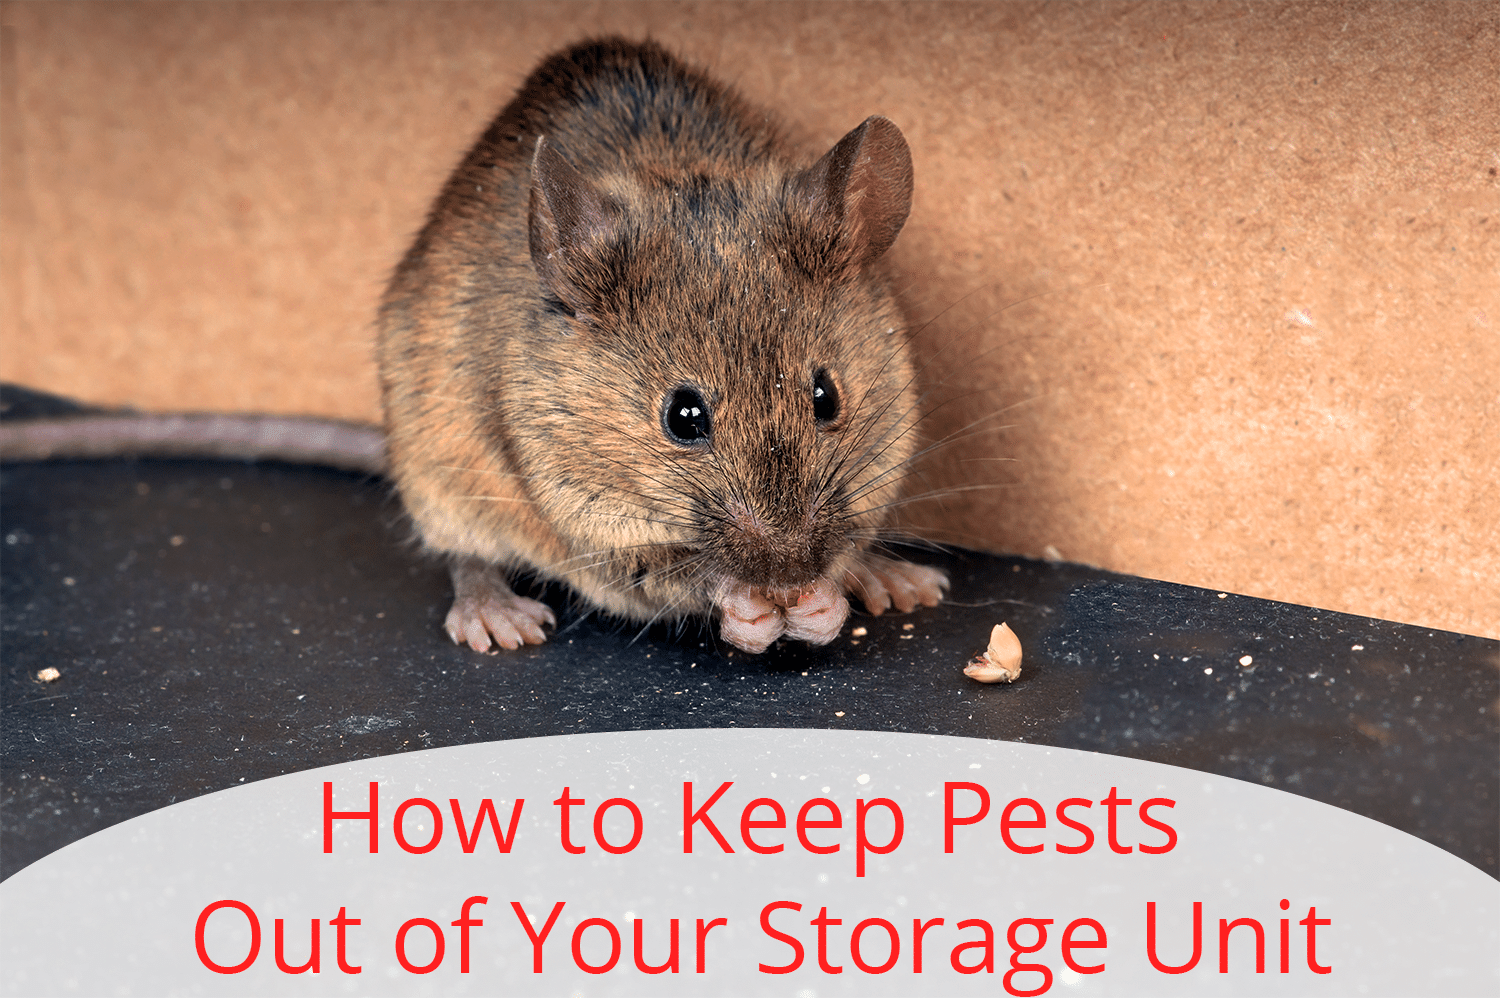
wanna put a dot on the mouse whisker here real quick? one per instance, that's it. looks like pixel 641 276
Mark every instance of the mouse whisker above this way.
pixel 938 494
pixel 670 606
pixel 971 429
pixel 686 469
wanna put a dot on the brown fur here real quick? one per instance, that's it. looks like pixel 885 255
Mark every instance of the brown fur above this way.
pixel 627 226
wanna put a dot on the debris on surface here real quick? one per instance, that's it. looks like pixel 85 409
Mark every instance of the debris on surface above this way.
pixel 48 675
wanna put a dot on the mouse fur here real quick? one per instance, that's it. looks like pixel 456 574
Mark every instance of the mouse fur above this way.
pixel 643 347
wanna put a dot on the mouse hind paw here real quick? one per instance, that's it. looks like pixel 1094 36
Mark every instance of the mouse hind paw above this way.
pixel 882 583
pixel 486 608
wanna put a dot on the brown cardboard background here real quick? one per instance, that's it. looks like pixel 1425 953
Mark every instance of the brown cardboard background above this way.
pixel 1218 281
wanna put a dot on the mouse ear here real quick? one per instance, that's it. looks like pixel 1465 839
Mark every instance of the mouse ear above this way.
pixel 863 186
pixel 570 218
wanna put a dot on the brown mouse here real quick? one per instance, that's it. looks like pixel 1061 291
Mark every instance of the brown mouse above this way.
pixel 641 346
pixel 644 347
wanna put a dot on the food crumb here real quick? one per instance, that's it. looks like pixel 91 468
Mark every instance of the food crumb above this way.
pixel 48 675
pixel 1356 647
pixel 860 632
pixel 1001 661
pixel 908 627
pixel 838 713
pixel 1246 660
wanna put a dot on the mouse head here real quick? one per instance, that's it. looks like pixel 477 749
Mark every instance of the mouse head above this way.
pixel 730 383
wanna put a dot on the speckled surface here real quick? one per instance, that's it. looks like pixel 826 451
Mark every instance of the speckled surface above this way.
pixel 217 623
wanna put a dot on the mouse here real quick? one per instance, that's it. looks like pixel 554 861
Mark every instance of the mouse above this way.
pixel 647 347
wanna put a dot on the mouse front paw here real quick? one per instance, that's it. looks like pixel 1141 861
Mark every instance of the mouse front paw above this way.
pixel 818 614
pixel 750 620
pixel 882 583
pixel 485 607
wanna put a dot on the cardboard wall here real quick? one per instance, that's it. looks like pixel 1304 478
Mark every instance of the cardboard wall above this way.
pixel 1207 292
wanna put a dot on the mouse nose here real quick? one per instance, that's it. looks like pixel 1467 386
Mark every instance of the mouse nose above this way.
pixel 777 551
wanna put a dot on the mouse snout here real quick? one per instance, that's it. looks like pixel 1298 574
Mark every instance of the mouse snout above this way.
pixel 779 554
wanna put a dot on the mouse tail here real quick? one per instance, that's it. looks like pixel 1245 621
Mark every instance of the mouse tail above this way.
pixel 335 443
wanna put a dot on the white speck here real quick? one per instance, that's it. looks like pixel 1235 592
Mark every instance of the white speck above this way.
pixel 1299 316
pixel 908 627
pixel 862 779
pixel 974 765
pixel 1208 671
pixel 838 713
pixel 860 632
pixel 1246 660
pixel 1157 657
pixel 1356 647
pixel 1223 596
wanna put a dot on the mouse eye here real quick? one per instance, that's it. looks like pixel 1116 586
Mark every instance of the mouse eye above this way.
pixel 685 417
pixel 825 397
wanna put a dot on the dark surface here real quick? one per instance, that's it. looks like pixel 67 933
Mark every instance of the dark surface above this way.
pixel 217 623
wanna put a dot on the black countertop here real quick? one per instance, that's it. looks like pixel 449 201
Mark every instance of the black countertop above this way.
pixel 215 623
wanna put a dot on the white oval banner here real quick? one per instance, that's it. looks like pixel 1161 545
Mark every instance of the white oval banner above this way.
pixel 762 862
